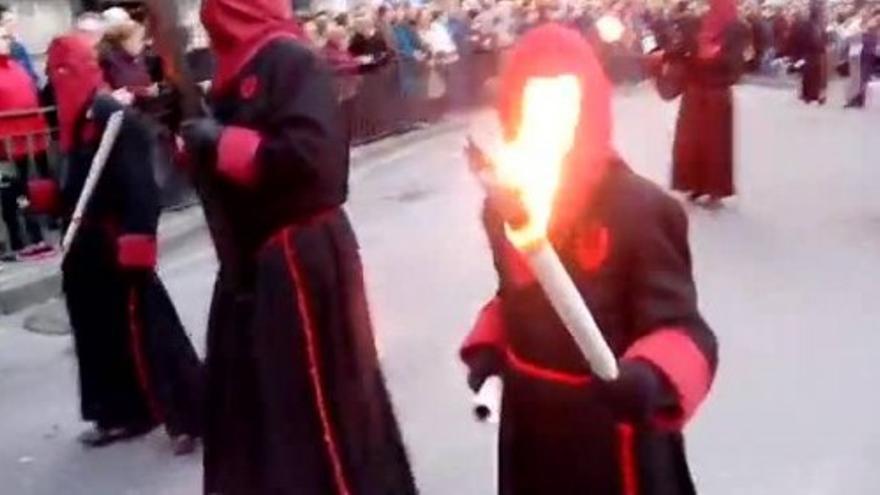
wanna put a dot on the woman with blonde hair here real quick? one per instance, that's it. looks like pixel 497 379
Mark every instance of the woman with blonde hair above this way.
pixel 124 61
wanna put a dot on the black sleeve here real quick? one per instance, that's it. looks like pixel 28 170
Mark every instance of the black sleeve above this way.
pixel 671 335
pixel 132 171
pixel 303 145
pixel 671 79
pixel 736 39
pixel 664 294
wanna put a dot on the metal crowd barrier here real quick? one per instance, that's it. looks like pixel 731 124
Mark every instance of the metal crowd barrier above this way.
pixel 33 143
pixel 381 107
pixel 33 152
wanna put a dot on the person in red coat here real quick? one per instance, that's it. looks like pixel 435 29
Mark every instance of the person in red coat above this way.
pixel 702 71
pixel 24 137
pixel 624 243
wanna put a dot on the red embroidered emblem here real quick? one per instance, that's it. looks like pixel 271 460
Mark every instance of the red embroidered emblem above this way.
pixel 593 247
pixel 249 87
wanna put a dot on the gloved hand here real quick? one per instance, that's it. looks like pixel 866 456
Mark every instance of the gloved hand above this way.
pixel 638 393
pixel 506 201
pixel 200 139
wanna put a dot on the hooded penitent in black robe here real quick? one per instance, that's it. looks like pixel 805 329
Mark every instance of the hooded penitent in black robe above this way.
pixel 296 400
pixel 809 42
pixel 137 367
pixel 624 243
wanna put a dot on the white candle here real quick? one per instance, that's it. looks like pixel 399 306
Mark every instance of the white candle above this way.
pixel 487 402
pixel 572 310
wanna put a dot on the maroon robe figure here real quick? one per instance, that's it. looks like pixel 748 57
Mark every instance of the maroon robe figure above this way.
pixel 137 367
pixel 624 243
pixel 702 72
pixel 296 399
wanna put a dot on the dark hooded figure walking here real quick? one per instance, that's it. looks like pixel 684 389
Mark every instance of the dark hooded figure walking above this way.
pixel 702 71
pixel 137 367
pixel 624 243
pixel 810 43
pixel 296 400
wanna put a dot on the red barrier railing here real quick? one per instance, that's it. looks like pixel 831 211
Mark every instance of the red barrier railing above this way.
pixel 26 133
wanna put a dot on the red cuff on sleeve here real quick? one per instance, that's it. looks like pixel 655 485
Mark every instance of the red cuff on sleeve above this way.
pixel 137 251
pixel 685 367
pixel 236 155
pixel 488 331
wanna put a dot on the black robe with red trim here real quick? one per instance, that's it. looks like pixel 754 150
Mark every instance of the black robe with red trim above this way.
pixel 296 399
pixel 137 366
pixel 629 257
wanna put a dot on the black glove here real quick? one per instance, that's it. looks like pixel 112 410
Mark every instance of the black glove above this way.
pixel 200 138
pixel 638 393
pixel 483 364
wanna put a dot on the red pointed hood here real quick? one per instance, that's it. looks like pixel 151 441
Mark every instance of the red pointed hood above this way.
pixel 73 69
pixel 239 28
pixel 549 51
pixel 721 14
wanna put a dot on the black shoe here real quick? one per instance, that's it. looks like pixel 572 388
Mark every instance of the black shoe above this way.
pixel 694 196
pixel 184 445
pixel 713 203
pixel 856 102
pixel 101 437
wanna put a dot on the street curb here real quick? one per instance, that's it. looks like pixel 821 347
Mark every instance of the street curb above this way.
pixel 35 291
pixel 373 151
pixel 186 224
pixel 47 285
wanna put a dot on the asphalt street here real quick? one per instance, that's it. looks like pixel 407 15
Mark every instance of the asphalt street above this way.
pixel 788 276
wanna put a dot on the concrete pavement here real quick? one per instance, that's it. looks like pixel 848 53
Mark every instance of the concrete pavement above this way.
pixel 28 283
pixel 787 275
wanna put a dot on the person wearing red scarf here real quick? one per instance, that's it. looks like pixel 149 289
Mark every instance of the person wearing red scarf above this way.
pixel 702 71
pixel 624 243
pixel 137 367
pixel 296 399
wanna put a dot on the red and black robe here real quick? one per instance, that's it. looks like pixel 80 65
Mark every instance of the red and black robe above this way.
pixel 703 149
pixel 137 366
pixel 628 255
pixel 296 399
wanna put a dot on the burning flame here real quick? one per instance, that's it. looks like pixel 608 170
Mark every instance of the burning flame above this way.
pixel 532 164
pixel 610 28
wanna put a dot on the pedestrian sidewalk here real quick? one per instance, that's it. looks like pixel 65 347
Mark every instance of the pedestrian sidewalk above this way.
pixel 28 283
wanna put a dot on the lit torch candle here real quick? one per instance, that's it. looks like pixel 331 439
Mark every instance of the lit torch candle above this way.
pixel 532 166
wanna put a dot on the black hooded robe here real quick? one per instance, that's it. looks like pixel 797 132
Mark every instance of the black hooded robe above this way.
pixel 628 255
pixel 137 366
pixel 296 399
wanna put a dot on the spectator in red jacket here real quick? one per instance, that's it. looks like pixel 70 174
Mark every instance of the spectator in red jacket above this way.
pixel 23 139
